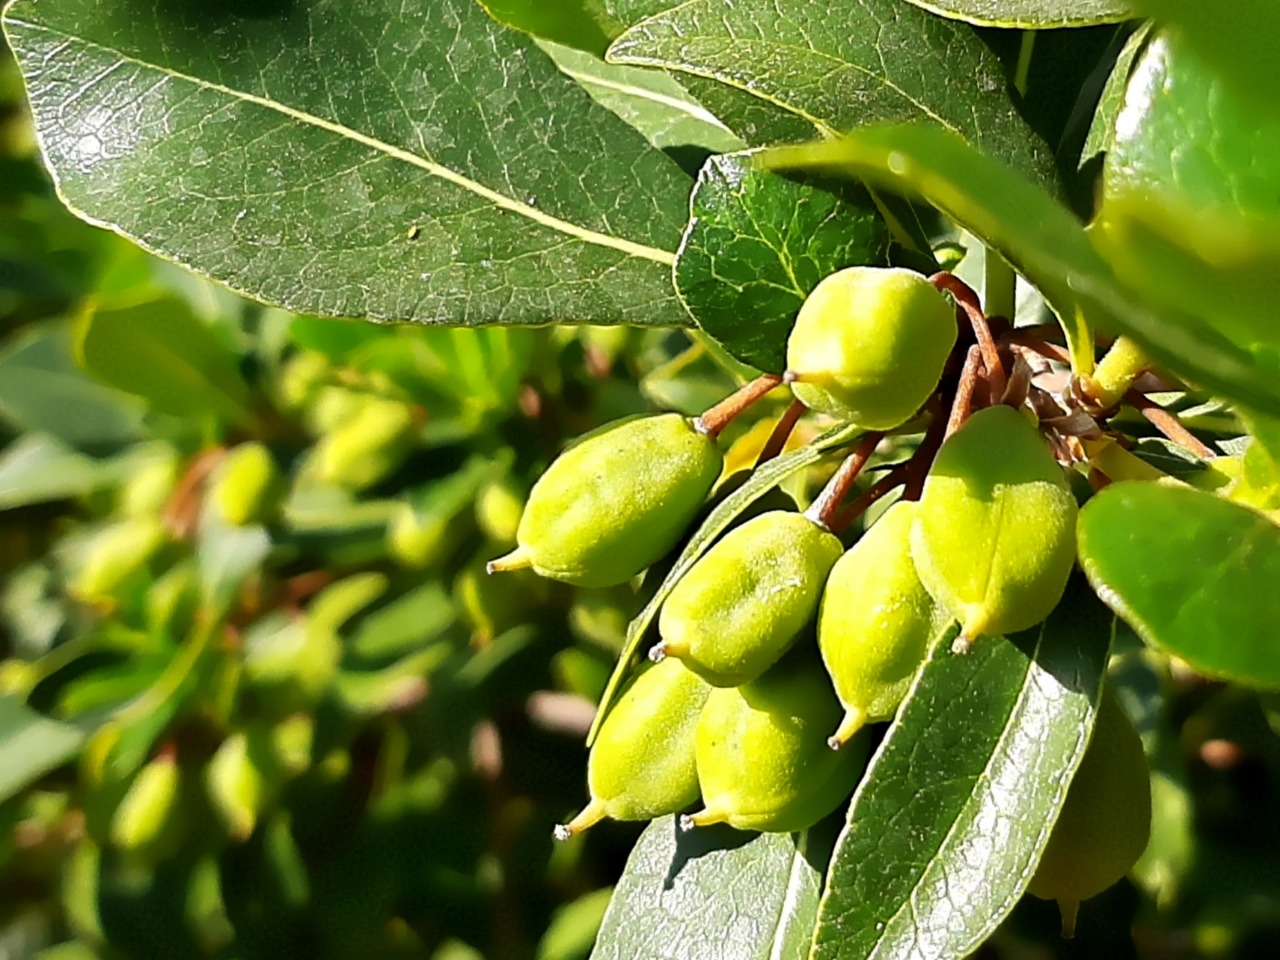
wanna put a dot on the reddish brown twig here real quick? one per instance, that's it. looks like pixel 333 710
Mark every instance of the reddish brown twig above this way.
pixel 781 432
pixel 1169 425
pixel 963 401
pixel 824 508
pixel 886 484
pixel 1052 351
pixel 972 306
pixel 724 412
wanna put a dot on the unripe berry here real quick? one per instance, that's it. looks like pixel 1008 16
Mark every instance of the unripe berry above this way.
pixel 994 536
pixel 368 447
pixel 875 622
pixel 744 602
pixel 762 756
pixel 247 485
pixel 615 502
pixel 869 345
pixel 641 764
pixel 1105 821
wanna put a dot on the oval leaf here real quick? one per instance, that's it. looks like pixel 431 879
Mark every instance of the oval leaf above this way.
pixel 714 892
pixel 947 825
pixel 757 243
pixel 1194 574
pixel 390 160
pixel 1030 14
pixel 843 66
pixel 31 745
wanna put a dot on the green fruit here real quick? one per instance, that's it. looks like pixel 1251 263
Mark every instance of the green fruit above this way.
pixel 368 447
pixel 762 756
pixel 994 537
pixel 499 506
pixel 1105 821
pixel 615 502
pixel 247 487
pixel 149 810
pixel 642 765
pixel 744 602
pixel 115 556
pixel 875 622
pixel 869 345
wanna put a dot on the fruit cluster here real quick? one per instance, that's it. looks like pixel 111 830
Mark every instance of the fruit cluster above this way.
pixel 733 708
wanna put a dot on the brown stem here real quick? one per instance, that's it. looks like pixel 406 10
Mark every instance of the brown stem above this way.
pixel 1169 425
pixel 781 432
pixel 824 508
pixel 182 509
pixel 920 462
pixel 972 306
pixel 890 481
pixel 723 413
pixel 963 401
pixel 1050 350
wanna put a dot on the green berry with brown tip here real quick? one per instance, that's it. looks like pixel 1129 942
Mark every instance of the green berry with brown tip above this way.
pixel 762 755
pixel 616 501
pixel 642 762
pixel 994 536
pixel 744 602
pixel 869 345
pixel 875 622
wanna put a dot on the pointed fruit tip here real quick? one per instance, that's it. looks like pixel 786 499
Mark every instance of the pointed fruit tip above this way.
pixel 658 652
pixel 1069 910
pixel 517 559
pixel 686 823
pixel 790 376
pixel 961 645
pixel 562 832
pixel 854 720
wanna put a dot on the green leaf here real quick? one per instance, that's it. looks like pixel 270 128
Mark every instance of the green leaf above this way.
pixel 649 100
pixel 388 160
pixel 583 24
pixel 31 745
pixel 43 391
pixel 1239 39
pixel 762 480
pixel 846 66
pixel 957 805
pixel 1031 14
pixel 757 243
pixel 1189 213
pixel 38 468
pixel 158 350
pixel 1044 243
pixel 714 892
pixel 1111 100
pixel 1193 574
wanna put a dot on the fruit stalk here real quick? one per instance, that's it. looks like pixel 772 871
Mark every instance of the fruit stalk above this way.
pixel 781 432
pixel 968 302
pixel 1168 424
pixel 823 510
pixel 723 413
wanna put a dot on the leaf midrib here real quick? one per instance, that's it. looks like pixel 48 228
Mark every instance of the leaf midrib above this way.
pixel 629 247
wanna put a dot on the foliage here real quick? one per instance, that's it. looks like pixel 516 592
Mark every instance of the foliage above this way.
pixel 278 709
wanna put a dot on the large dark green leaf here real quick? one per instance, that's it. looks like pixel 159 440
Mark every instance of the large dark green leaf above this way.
pixel 843 66
pixel 401 160
pixel 1031 14
pixel 1194 574
pixel 31 745
pixel 1190 214
pixel 757 243
pixel 952 816
pixel 1044 243
pixel 713 893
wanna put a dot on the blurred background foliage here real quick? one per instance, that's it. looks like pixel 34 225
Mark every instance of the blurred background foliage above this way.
pixel 257 696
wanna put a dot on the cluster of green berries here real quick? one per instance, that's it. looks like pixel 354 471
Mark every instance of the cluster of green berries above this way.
pixel 732 708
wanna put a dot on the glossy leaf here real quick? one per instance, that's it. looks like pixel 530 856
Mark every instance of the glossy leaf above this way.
pixel 712 893
pixel 1044 243
pixel 341 159
pixel 1239 39
pixel 160 351
pixel 1192 573
pixel 1031 14
pixel 1189 214
pixel 762 480
pixel 1102 128
pixel 757 243
pixel 950 819
pixel 582 24
pixel 31 745
pixel 845 66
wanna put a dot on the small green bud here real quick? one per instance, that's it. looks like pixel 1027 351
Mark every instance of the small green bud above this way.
pixel 994 536
pixel 241 779
pixel 149 806
pixel 499 506
pixel 875 622
pixel 368 447
pixel 615 502
pixel 247 486
pixel 869 345
pixel 762 756
pixel 642 763
pixel 419 538
pixel 300 378
pixel 744 602
pixel 152 481
pixel 1105 821
pixel 113 556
